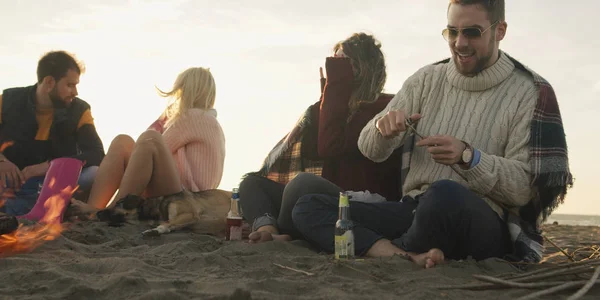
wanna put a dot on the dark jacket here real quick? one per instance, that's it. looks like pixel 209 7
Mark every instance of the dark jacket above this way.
pixel 19 128
pixel 343 163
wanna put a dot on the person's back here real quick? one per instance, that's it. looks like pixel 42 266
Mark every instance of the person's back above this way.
pixel 197 143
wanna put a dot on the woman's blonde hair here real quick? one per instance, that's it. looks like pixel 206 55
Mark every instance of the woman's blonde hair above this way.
pixel 368 64
pixel 193 88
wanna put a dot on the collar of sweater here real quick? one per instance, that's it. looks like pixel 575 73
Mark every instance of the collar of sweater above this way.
pixel 212 112
pixel 485 79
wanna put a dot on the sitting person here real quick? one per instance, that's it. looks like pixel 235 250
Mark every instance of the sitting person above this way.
pixel 185 149
pixel 491 155
pixel 42 122
pixel 351 96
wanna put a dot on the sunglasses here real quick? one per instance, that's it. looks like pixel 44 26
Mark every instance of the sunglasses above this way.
pixel 450 34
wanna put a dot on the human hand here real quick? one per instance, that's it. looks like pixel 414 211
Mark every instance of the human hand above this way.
pixel 35 170
pixel 394 122
pixel 10 175
pixel 444 149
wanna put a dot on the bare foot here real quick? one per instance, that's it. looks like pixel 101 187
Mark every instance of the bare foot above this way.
pixel 265 236
pixel 428 260
pixel 80 208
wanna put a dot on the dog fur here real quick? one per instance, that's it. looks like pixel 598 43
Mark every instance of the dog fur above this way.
pixel 203 212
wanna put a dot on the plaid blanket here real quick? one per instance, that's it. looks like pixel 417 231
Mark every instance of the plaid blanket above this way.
pixel 549 166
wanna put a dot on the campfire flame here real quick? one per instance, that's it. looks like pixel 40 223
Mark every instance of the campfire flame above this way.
pixel 49 227
pixel 6 145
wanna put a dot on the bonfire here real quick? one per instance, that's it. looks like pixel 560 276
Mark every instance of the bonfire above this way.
pixel 28 237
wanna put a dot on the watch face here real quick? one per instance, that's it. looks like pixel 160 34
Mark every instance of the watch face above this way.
pixel 467 155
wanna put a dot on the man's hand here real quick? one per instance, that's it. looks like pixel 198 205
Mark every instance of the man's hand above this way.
pixel 444 149
pixel 393 123
pixel 35 170
pixel 10 175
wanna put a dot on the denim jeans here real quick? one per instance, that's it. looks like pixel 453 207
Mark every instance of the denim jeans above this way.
pixel 265 202
pixel 447 216
pixel 26 197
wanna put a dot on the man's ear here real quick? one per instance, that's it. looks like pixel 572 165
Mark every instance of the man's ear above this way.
pixel 501 31
pixel 48 83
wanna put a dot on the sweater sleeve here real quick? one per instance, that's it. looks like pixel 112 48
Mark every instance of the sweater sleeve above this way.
pixel 336 136
pixel 370 142
pixel 507 179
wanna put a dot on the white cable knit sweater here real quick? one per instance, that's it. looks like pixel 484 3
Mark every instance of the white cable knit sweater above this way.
pixel 492 111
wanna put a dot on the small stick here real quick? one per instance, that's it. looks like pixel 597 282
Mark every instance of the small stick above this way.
pixel 597 250
pixel 295 270
pixel 576 270
pixel 564 266
pixel 555 289
pixel 588 285
pixel 559 248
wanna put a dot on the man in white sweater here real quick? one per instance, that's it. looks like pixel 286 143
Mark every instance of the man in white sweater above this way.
pixel 470 165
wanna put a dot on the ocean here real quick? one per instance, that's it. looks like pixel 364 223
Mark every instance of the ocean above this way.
pixel 583 220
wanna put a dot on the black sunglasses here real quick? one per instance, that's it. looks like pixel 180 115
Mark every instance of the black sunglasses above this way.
pixel 450 34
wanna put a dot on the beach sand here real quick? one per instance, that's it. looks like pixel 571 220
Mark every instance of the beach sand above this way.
pixel 93 261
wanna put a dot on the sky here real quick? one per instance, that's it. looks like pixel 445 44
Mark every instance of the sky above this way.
pixel 265 56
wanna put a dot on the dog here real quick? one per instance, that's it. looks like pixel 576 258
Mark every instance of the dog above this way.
pixel 204 212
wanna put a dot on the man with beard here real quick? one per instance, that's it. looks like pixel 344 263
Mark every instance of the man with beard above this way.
pixel 42 122
pixel 486 161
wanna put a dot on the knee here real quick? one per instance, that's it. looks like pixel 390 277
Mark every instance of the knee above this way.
pixel 248 185
pixel 149 139
pixel 122 143
pixel 442 197
pixel 298 183
pixel 304 177
pixel 149 135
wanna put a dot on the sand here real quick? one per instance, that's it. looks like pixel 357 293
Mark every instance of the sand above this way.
pixel 93 261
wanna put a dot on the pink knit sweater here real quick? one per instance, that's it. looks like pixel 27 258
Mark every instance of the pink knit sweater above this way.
pixel 197 143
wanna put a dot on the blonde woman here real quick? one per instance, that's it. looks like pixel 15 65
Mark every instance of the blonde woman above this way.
pixel 184 149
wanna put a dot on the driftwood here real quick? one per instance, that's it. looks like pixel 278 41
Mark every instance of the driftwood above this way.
pixel 582 272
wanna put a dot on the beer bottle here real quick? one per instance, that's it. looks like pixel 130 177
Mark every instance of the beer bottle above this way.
pixel 234 220
pixel 344 236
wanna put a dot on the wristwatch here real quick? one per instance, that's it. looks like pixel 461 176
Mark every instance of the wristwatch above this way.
pixel 467 155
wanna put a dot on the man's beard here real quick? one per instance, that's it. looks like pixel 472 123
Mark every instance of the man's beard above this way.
pixel 481 63
pixel 57 102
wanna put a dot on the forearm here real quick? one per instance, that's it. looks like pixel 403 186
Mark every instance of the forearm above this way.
pixel 335 138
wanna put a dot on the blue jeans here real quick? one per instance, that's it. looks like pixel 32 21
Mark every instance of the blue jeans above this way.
pixel 26 197
pixel 447 216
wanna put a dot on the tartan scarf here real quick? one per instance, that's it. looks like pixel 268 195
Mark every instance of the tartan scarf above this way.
pixel 550 175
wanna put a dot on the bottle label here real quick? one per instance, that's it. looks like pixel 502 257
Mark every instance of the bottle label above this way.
pixel 344 245
pixel 235 233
